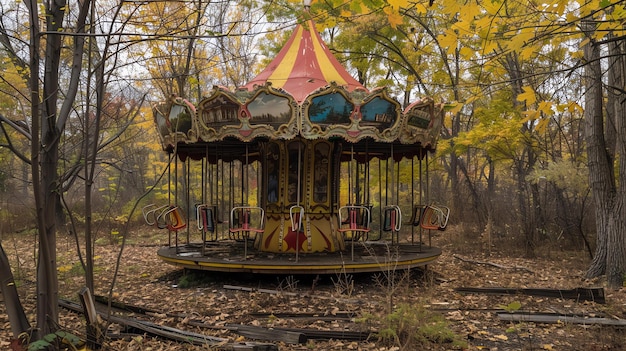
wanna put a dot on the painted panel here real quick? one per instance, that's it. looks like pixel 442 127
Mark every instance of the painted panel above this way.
pixel 331 108
pixel 379 113
pixel 269 109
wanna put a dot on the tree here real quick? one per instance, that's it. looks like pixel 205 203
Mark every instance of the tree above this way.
pixel 604 149
pixel 51 121
pixel 47 125
pixel 541 29
pixel 197 45
pixel 73 116
pixel 533 50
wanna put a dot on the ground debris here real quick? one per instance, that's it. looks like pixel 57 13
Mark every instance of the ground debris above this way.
pixel 560 318
pixel 579 294
pixel 147 327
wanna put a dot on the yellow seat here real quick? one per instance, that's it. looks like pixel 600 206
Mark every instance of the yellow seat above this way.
pixel 174 219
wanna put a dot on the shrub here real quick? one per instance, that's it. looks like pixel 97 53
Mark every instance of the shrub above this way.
pixel 410 326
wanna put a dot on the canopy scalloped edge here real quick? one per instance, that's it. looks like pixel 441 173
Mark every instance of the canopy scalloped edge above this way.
pixel 329 112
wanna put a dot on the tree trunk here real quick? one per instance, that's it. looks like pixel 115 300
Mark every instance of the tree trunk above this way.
pixel 525 218
pixel 608 199
pixel 47 280
pixel 616 106
pixel 15 311
pixel 46 313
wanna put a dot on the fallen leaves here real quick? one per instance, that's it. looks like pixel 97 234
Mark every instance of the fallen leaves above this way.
pixel 145 280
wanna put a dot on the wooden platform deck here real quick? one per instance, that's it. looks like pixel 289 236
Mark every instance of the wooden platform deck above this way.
pixel 228 256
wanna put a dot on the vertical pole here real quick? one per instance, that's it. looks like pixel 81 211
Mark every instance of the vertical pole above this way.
pixel 298 200
pixel 175 196
pixel 350 181
pixel 350 202
pixel 393 183
pixel 412 198
pixel 169 195
pixel 387 182
pixel 421 196
pixel 428 198
pixel 188 200
pixel 244 199
pixel 203 184
pixel 367 173
pixel 380 197
pixel 397 203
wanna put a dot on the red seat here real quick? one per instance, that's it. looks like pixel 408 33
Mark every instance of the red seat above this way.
pixel 245 220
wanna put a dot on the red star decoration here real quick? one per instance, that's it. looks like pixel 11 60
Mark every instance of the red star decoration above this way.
pixel 291 237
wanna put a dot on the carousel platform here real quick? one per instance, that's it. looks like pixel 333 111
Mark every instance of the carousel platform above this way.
pixel 228 256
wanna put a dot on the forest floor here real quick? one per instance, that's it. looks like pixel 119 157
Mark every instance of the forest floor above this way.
pixel 419 310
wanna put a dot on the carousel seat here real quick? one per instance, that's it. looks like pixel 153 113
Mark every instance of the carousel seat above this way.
pixel 246 220
pixel 355 223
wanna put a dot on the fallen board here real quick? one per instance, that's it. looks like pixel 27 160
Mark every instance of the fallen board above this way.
pixel 175 334
pixel 550 318
pixel 580 294
pixel 258 333
pixel 286 335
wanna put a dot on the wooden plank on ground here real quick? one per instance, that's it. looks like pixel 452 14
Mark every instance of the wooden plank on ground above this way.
pixel 270 334
pixel 176 334
pixel 289 336
pixel 123 306
pixel 348 335
pixel 341 315
pixel 550 318
pixel 580 294
pixel 253 332
pixel 95 336
pixel 191 337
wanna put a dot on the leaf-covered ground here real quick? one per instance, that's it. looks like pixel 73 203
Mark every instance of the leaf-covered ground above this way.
pixel 404 311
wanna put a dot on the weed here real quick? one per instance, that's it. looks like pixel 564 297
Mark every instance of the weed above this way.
pixel 344 285
pixel 56 340
pixel 116 237
pixel 520 331
pixel 512 307
pixel 410 326
pixel 71 270
pixel 391 280
pixel 289 283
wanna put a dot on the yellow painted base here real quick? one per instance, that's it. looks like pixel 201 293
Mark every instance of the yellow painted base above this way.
pixel 318 234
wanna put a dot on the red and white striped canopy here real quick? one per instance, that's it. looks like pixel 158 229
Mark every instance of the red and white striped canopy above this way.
pixel 304 65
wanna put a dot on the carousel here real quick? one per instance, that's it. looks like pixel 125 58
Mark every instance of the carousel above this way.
pixel 300 171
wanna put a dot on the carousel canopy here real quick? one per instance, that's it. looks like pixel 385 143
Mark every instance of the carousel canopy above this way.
pixel 303 93
pixel 304 65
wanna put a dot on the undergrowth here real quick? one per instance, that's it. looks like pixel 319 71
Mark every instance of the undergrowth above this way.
pixel 411 326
